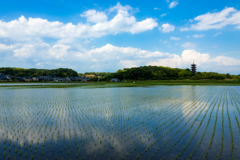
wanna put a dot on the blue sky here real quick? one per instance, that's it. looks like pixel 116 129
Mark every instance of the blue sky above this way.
pixel 105 36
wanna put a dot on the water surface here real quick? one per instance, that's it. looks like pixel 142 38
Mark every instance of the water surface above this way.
pixel 159 122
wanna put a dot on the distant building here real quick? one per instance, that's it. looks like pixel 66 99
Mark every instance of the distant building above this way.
pixel 20 79
pixel 5 77
pixel 42 78
pixel 115 80
pixel 35 78
pixel 193 68
pixel 28 79
pixel 84 79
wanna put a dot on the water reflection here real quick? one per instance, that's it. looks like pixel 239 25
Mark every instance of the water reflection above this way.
pixel 101 121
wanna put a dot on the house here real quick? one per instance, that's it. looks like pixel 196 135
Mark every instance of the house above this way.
pixel 85 79
pixel 28 79
pixel 67 79
pixel 115 80
pixel 35 78
pixel 49 78
pixel 20 79
pixel 42 78
pixel 5 77
pixel 75 78
pixel 57 79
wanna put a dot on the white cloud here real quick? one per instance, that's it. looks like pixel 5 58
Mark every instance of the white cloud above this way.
pixel 58 50
pixel 174 61
pixel 202 60
pixel 188 45
pixel 128 63
pixel 191 55
pixel 108 58
pixel 4 47
pixel 156 8
pixel 162 15
pixel 24 45
pixel 175 38
pixel 216 20
pixel 166 28
pixel 173 4
pixel 25 51
pixel 120 7
pixel 94 16
pixel 148 24
pixel 37 27
pixel 198 35
pixel 109 52
pixel 226 61
pixel 217 34
pixel 184 28
pixel 167 1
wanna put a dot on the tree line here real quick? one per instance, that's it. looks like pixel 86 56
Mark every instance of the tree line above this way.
pixel 166 73
pixel 21 72
pixel 97 74
pixel 135 73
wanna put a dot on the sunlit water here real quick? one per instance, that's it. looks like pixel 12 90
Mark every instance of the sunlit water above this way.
pixel 160 122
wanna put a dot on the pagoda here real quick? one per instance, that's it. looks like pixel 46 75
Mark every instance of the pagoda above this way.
pixel 193 68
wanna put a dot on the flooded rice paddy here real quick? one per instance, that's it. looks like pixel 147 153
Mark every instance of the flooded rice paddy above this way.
pixel 159 122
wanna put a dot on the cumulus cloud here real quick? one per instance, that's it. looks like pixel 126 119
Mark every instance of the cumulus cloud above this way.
pixel 25 51
pixel 166 28
pixel 187 57
pixel 175 38
pixel 226 61
pixel 188 45
pixel 173 4
pixel 4 47
pixel 26 37
pixel 110 52
pixel 58 50
pixel 94 16
pixel 120 7
pixel 128 63
pixel 38 27
pixel 25 44
pixel 143 25
pixel 198 35
pixel 216 20
pixel 202 60
pixel 108 58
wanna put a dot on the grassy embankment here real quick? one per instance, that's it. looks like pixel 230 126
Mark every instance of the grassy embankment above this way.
pixel 131 83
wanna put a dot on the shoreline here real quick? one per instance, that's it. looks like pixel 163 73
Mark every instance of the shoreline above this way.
pixel 129 83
